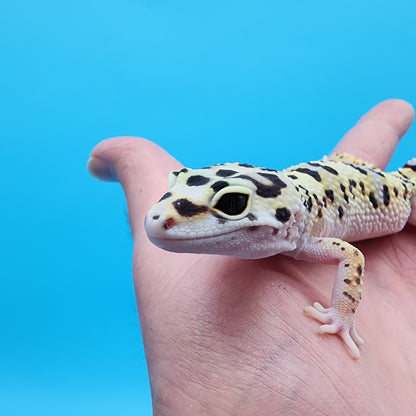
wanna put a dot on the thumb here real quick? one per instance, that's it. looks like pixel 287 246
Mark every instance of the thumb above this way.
pixel 140 166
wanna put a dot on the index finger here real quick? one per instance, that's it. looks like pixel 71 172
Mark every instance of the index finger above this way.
pixel 376 135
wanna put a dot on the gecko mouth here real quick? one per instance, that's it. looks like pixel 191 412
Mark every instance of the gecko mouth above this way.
pixel 169 243
pixel 249 243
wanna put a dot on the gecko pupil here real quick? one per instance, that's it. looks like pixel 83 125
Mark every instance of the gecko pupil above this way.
pixel 233 203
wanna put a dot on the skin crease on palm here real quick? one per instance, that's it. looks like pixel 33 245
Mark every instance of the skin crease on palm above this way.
pixel 225 336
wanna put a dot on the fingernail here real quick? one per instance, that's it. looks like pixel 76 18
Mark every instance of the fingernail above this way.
pixel 101 169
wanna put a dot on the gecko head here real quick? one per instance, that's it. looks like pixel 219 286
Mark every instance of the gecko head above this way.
pixel 231 209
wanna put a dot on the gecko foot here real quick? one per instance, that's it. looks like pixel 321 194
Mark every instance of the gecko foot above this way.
pixel 334 324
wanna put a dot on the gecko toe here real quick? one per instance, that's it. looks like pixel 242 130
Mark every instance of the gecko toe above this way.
pixel 334 324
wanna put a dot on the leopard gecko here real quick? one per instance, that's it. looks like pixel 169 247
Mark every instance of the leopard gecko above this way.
pixel 311 211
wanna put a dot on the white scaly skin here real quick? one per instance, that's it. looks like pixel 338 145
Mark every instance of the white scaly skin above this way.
pixel 308 212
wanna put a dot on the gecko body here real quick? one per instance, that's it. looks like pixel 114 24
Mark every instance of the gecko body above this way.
pixel 312 211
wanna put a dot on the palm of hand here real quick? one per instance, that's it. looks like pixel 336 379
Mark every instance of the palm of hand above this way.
pixel 227 336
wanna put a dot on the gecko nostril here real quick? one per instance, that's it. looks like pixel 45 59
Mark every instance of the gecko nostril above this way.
pixel 156 217
pixel 169 223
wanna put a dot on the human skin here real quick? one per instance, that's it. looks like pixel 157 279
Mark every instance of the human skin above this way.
pixel 226 336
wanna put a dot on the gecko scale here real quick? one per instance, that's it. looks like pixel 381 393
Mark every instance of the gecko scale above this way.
pixel 311 211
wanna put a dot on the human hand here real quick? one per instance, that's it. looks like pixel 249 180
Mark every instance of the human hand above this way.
pixel 227 336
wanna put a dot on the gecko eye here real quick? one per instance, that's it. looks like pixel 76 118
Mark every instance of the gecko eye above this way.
pixel 232 203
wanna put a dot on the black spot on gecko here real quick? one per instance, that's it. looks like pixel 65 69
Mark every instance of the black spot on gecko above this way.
pixel 340 212
pixel 266 191
pixel 319 203
pixel 359 270
pixel 327 168
pixel 319 213
pixel 221 221
pixel 386 195
pixel 283 214
pixel 352 185
pixel 306 191
pixel 245 165
pixel 346 265
pixel 358 280
pixel 251 217
pixel 373 200
pixel 329 194
pixel 292 176
pixel 197 180
pixel 363 171
pixel 269 170
pixel 346 294
pixel 404 176
pixel 362 186
pixel 224 173
pixel 315 174
pixel 186 208
pixel 308 204
pixel 167 195
pixel 217 186
pixel 270 176
pixel 396 192
pixel 330 170
pixel 344 192
pixel 405 191
pixel 347 281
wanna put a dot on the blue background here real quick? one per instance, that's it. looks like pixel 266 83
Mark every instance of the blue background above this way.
pixel 265 82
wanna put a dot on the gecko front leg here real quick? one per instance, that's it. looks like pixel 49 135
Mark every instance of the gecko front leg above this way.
pixel 339 318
